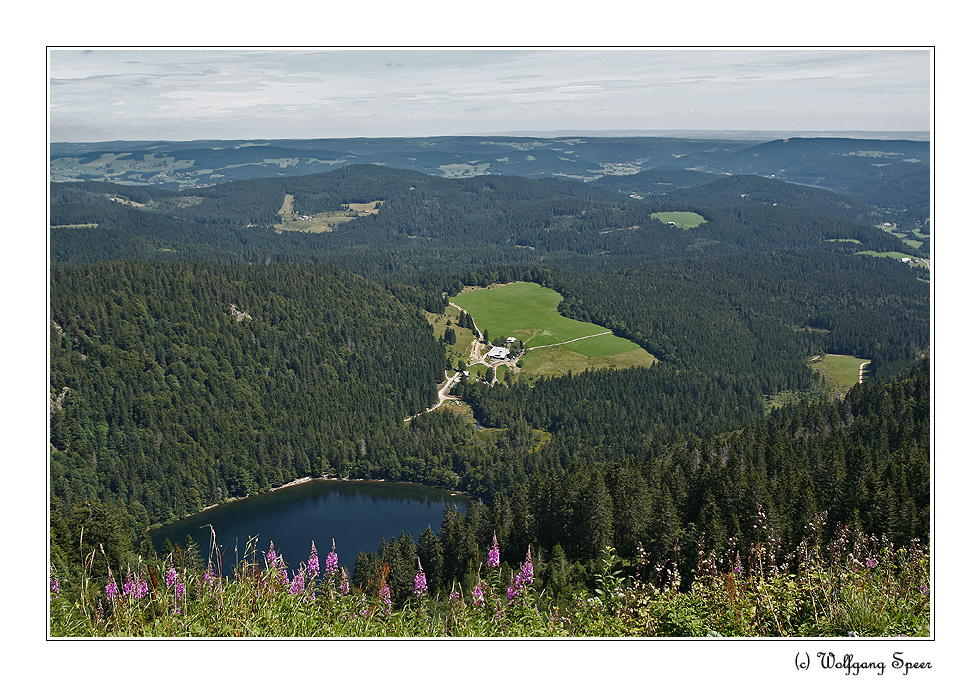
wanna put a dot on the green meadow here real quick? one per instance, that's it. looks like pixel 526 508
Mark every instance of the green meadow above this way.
pixel 683 220
pixel 554 344
pixel 842 371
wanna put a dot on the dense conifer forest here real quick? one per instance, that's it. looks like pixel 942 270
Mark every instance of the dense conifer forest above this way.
pixel 198 354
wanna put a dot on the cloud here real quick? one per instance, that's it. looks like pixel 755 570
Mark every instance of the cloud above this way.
pixel 311 93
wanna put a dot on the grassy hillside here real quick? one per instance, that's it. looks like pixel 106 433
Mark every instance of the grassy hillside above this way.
pixel 553 344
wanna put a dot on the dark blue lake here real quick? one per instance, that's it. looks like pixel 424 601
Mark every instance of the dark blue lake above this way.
pixel 356 515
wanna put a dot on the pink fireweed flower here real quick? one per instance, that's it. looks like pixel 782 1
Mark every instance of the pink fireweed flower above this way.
pixel 420 586
pixel 313 564
pixel 525 578
pixel 870 563
pixel 171 577
pixel 385 596
pixel 271 558
pixel 141 589
pixel 180 590
pixel 111 590
pixel 493 557
pixel 478 594
pixel 299 584
pixel 129 586
pixel 330 564
pixel 209 576
pixel 344 582
pixel 55 585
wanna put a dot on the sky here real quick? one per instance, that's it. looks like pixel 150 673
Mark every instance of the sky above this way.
pixel 190 94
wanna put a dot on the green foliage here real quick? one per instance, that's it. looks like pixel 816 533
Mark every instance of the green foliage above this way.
pixel 231 359
pixel 183 385
pixel 856 584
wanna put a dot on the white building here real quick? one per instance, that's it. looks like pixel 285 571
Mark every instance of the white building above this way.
pixel 498 353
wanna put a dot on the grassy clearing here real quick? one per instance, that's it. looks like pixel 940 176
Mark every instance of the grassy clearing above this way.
pixel 683 220
pixel 323 221
pixel 463 169
pixel 896 255
pixel 554 343
pixel 841 371
pixel 523 310
pixel 602 346
pixel 548 362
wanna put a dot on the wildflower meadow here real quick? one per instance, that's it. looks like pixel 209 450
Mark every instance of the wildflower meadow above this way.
pixel 853 585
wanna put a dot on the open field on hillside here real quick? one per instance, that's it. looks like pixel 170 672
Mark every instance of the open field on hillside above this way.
pixel 895 255
pixel 554 344
pixel 113 165
pixel 557 360
pixel 526 311
pixel 842 371
pixel 684 220
pixel 911 237
pixel 463 169
pixel 322 221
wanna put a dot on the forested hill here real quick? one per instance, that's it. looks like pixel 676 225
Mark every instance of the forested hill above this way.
pixel 177 386
pixel 426 223
pixel 220 340
pixel 888 173
pixel 805 472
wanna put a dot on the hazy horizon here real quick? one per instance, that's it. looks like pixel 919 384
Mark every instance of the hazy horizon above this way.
pixel 671 133
pixel 106 95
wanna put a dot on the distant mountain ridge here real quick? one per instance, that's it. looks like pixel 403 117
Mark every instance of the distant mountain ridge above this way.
pixel 893 174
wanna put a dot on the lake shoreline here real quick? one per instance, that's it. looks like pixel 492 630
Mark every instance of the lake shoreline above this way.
pixel 297 482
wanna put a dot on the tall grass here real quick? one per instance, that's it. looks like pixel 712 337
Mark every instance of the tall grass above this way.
pixel 852 585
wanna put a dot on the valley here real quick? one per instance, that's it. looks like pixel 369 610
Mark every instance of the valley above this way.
pixel 609 343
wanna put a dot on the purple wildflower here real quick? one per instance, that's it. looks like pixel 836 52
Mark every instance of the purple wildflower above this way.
pixel 313 564
pixel 385 596
pixel 129 586
pixel 421 588
pixel 171 577
pixel 141 588
pixel 111 590
pixel 924 589
pixel 55 586
pixel 344 582
pixel 209 575
pixel 525 578
pixel 493 557
pixel 180 590
pixel 870 563
pixel 330 564
pixel 299 584
pixel 478 594
pixel 271 557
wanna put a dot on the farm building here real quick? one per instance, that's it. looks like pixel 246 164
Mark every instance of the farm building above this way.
pixel 498 353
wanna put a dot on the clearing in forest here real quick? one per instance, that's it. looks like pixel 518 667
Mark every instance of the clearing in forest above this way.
pixel 553 343
pixel 321 222
pixel 683 220
pixel 842 371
